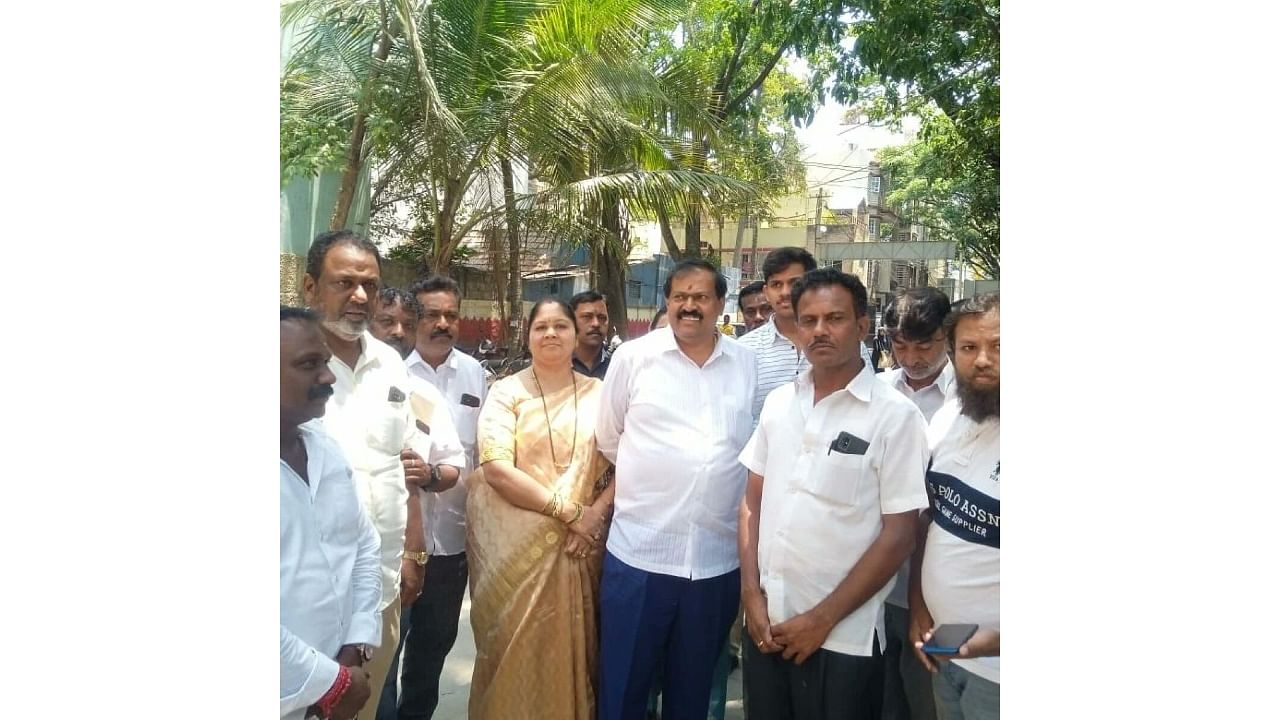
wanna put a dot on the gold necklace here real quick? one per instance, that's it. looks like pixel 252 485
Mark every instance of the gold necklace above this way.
pixel 547 416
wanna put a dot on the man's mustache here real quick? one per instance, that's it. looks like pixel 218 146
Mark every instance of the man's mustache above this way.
pixel 689 314
pixel 319 392
pixel 441 333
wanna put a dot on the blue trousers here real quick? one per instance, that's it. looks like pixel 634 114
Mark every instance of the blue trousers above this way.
pixel 647 619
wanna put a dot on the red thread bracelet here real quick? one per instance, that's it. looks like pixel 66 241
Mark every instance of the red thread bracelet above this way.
pixel 339 688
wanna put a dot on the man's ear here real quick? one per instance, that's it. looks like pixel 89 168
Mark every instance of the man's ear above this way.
pixel 308 289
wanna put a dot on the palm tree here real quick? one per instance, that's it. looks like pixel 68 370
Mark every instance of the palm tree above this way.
pixel 453 89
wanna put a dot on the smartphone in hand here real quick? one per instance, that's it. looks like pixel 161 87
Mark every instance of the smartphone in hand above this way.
pixel 947 639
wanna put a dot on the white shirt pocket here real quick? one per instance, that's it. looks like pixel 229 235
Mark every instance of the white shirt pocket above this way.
pixel 839 478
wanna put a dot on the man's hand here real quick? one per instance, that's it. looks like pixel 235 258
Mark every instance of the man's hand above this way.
pixel 802 635
pixel 355 697
pixel 576 546
pixel 350 656
pixel 411 575
pixel 984 643
pixel 416 471
pixel 917 630
pixel 590 526
pixel 756 608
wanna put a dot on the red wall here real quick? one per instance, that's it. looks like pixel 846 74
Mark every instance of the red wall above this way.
pixel 471 330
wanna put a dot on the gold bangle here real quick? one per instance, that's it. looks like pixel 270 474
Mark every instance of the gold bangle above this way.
pixel 577 513
pixel 545 508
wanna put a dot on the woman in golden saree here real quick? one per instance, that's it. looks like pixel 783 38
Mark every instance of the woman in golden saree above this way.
pixel 536 517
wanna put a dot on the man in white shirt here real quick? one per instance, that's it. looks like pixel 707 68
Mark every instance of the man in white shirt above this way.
pixel 836 482
pixel 778 357
pixel 674 415
pixel 329 576
pixel 913 323
pixel 369 415
pixel 395 322
pixel 461 382
pixel 955 575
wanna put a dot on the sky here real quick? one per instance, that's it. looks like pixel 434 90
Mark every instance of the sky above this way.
pixel 836 155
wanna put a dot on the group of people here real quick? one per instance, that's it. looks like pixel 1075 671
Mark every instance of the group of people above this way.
pixel 616 512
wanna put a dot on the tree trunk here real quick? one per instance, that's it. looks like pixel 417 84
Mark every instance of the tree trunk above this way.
pixel 693 232
pixel 612 265
pixel 737 241
pixel 514 305
pixel 755 242
pixel 355 153
pixel 496 250
pixel 668 238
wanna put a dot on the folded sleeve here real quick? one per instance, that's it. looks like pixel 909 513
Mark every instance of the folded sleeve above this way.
pixel 905 456
pixel 305 674
pixel 614 399
pixel 446 446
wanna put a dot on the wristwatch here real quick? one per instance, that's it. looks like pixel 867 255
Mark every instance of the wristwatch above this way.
pixel 435 478
pixel 419 557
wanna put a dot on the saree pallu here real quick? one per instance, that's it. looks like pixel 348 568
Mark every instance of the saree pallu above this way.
pixel 534 610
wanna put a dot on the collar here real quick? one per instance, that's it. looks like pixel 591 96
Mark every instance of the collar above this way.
pixel 861 386
pixel 605 352
pixel 450 360
pixel 942 382
pixel 365 358
pixel 666 342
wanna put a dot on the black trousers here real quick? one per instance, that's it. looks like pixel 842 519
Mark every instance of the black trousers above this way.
pixel 827 686
pixel 431 632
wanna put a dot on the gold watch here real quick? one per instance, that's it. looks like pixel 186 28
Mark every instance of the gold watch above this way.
pixel 419 557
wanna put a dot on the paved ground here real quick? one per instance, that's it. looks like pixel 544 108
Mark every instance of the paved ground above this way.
pixel 455 681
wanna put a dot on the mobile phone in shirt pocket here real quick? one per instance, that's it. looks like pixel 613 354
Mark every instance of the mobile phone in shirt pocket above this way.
pixel 839 476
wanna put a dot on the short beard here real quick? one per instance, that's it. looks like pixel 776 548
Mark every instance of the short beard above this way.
pixel 346 329
pixel 977 404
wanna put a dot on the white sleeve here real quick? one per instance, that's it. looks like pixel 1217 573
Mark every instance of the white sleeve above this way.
pixel 305 674
pixel 905 455
pixel 366 586
pixel 446 446
pixel 756 454
pixel 615 397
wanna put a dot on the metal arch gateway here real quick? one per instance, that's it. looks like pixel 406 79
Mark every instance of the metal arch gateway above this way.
pixel 928 250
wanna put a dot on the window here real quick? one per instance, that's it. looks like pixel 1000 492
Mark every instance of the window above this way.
pixel 873 229
pixel 875 184
pixel 633 290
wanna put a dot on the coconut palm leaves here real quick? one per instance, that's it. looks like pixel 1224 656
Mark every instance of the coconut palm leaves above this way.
pixel 462 85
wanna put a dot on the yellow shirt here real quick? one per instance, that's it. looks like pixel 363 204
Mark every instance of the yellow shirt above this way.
pixel 729 330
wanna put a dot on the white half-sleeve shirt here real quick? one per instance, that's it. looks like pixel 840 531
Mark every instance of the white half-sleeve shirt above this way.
pixel 460 377
pixel 929 399
pixel 330 580
pixel 674 431
pixel 821 509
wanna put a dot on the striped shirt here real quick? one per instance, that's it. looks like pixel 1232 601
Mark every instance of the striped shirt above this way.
pixel 778 362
